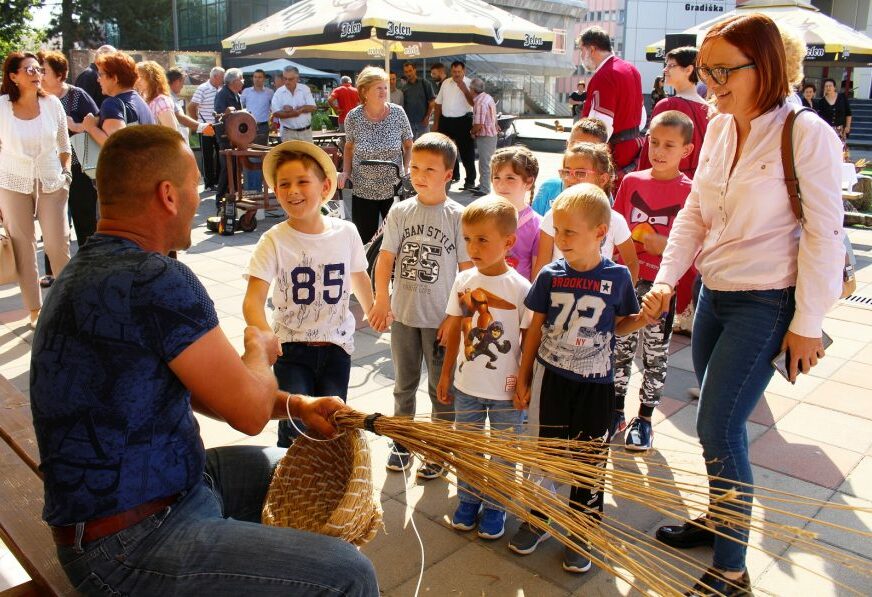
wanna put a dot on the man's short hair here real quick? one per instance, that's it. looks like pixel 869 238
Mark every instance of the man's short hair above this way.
pixel 477 85
pixel 591 126
pixel 291 69
pixel 439 144
pixel 587 201
pixel 596 37
pixel 216 70
pixel 154 152
pixel 676 119
pixel 232 75
pixel 437 66
pixel 459 63
pixel 405 64
pixel 174 75
pixel 345 79
pixel 494 209
pixel 261 71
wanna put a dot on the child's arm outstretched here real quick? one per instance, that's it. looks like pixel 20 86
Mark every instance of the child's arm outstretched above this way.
pixel 630 323
pixel 253 304
pixel 361 286
pixel 380 314
pixel 529 348
pixel 451 341
pixel 545 255
pixel 627 251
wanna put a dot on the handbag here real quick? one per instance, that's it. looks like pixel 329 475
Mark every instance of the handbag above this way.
pixel 88 151
pixel 849 282
pixel 8 272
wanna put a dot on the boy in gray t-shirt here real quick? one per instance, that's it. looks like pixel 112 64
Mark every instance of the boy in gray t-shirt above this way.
pixel 423 247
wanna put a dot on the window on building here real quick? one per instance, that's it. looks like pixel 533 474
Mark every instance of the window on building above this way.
pixel 622 16
pixel 559 46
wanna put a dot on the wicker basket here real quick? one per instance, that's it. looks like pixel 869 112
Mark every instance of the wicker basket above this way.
pixel 326 488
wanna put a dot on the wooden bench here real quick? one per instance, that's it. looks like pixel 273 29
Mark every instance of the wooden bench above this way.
pixel 21 500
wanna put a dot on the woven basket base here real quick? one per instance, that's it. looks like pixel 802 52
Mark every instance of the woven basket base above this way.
pixel 326 488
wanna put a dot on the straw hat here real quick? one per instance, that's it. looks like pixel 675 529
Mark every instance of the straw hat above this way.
pixel 310 149
pixel 326 488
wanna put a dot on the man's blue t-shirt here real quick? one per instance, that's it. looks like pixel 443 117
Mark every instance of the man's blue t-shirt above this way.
pixel 114 424
pixel 578 336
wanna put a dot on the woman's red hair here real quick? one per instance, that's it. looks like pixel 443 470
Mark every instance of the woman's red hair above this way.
pixel 758 38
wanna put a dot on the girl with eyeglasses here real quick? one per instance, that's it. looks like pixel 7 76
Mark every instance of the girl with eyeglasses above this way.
pixel 589 162
pixel 34 173
pixel 767 280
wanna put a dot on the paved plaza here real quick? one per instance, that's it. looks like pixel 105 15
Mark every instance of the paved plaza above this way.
pixel 814 439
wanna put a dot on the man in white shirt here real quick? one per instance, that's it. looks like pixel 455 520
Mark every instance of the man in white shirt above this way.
pixel 293 104
pixel 201 108
pixel 453 117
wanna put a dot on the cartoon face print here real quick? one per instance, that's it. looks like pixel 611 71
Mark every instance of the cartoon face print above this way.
pixel 645 220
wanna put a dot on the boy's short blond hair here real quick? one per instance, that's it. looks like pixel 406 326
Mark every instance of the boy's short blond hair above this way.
pixel 492 208
pixel 439 144
pixel 587 201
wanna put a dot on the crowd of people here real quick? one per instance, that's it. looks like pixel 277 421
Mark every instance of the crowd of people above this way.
pixel 521 302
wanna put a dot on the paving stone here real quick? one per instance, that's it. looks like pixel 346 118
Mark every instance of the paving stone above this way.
pixel 859 481
pixel 810 574
pixel 682 359
pixel 395 551
pixel 825 425
pixel 803 458
pixel 841 397
pixel 804 385
pixel 771 408
pixel 855 373
pixel 858 520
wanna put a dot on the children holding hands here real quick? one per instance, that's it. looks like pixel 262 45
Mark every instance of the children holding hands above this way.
pixel 580 302
pixel 486 317
pixel 423 249
pixel 316 262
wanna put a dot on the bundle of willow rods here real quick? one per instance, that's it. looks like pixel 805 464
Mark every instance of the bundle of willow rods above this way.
pixel 628 553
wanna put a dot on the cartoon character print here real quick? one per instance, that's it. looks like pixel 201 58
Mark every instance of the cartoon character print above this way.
pixel 486 334
pixel 645 220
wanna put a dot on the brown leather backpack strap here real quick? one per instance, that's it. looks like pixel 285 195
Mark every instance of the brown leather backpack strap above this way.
pixel 790 179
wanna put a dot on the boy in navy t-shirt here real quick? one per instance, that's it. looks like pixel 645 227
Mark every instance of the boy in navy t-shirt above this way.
pixel 579 303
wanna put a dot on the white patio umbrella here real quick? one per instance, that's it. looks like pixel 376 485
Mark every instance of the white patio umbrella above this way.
pixel 378 28
pixel 827 40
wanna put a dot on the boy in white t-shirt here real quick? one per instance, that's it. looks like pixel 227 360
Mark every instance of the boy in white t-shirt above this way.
pixel 486 316
pixel 316 262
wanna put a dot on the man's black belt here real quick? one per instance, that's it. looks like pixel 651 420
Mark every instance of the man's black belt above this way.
pixel 625 135
pixel 456 117
pixel 305 128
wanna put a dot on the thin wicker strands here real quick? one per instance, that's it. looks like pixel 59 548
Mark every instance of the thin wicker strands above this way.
pixel 325 487
pixel 559 460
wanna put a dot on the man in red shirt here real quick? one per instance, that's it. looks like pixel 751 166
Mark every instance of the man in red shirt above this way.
pixel 614 96
pixel 343 99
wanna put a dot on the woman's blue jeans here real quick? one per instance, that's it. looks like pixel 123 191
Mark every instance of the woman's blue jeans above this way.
pixel 210 542
pixel 735 336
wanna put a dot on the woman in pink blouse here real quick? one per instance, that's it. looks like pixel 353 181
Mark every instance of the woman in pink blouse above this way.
pixel 767 281
pixel 154 88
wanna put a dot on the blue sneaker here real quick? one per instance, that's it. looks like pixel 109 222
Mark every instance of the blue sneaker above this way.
pixel 493 524
pixel 466 516
pixel 640 436
pixel 619 423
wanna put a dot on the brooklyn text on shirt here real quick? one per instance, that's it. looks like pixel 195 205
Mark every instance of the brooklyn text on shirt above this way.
pixel 601 286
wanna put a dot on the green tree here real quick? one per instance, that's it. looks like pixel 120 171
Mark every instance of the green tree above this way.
pixel 15 30
pixel 79 22
pixel 140 25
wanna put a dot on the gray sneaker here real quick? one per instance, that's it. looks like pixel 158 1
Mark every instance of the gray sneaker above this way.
pixel 575 562
pixel 527 539
pixel 430 470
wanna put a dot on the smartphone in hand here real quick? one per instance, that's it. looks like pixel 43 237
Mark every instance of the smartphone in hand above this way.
pixel 780 362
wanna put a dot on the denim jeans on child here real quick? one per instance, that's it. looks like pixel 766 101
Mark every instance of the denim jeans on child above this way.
pixel 735 336
pixel 211 543
pixel 472 412
pixel 311 371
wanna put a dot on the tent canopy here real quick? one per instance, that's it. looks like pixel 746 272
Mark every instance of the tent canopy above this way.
pixel 829 42
pixel 378 28
pixel 278 65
